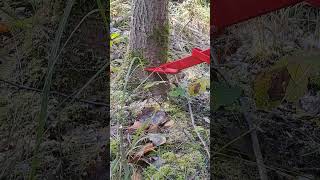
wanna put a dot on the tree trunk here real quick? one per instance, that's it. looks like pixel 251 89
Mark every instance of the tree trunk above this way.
pixel 149 37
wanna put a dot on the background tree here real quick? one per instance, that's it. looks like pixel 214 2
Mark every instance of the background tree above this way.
pixel 149 37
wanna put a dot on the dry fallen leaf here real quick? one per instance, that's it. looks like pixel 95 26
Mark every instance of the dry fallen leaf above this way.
pixel 198 87
pixel 146 114
pixel 153 128
pixel 168 124
pixel 4 28
pixel 136 125
pixel 157 139
pixel 159 117
pixel 150 113
pixel 144 150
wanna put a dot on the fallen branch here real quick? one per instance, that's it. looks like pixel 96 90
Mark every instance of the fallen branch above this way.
pixel 254 138
pixel 53 93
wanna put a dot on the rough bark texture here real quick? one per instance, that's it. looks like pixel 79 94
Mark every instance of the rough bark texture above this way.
pixel 149 34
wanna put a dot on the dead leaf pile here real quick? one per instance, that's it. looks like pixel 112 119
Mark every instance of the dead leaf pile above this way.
pixel 152 122
pixel 4 28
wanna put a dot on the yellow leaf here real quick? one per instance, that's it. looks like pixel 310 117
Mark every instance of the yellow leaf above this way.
pixel 261 86
pixel 198 87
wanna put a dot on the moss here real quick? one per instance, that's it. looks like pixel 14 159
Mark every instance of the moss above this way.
pixel 150 171
pixel 169 157
pixel 175 111
pixel 141 60
pixel 176 166
pixel 163 173
pixel 161 36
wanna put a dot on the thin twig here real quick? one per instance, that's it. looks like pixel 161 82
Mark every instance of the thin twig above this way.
pixel 194 126
pixel 234 140
pixel 53 92
pixel 255 141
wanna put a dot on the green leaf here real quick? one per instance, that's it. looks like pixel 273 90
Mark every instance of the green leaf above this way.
pixel 198 87
pixel 115 39
pixel 299 81
pixel 224 95
pixel 177 91
pixel 114 35
pixel 261 85
pixel 300 66
pixel 157 139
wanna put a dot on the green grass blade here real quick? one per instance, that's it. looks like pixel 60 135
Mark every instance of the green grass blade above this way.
pixel 46 89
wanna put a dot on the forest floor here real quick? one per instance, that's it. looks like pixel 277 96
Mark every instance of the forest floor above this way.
pixel 270 59
pixel 168 146
pixel 76 132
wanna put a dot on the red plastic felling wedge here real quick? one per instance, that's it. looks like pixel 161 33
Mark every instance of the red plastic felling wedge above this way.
pixel 198 56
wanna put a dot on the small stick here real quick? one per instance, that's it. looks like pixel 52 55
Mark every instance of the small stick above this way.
pixel 194 126
pixel 255 141
pixel 53 92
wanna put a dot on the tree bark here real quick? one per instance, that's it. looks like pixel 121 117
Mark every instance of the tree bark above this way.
pixel 149 37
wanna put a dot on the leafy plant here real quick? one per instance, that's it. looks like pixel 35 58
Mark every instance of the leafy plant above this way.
pixel 300 68
pixel 224 95
pixel 177 91
pixel 113 38
pixel 198 87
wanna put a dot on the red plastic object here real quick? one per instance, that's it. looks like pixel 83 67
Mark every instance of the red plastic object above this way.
pixel 229 12
pixel 198 56
pixel 314 3
pixel 223 14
